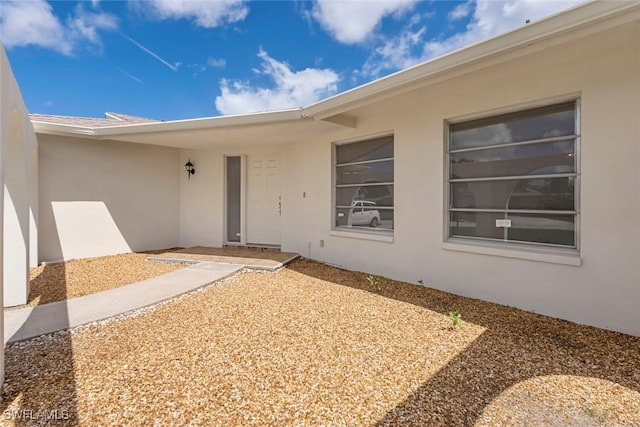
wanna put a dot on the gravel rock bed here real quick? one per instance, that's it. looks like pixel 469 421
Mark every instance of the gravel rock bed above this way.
pixel 315 345
pixel 59 281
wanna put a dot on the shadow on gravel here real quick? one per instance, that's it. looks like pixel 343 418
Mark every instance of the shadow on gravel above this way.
pixel 516 346
pixel 40 383
pixel 48 286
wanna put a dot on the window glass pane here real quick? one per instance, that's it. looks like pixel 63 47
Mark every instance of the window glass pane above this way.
pixel 476 224
pixel 379 195
pixel 365 173
pixel 538 123
pixel 379 148
pixel 234 173
pixel 533 159
pixel 365 218
pixel 552 229
pixel 537 194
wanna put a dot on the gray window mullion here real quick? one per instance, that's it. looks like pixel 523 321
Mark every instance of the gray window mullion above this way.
pixel 515 144
pixel 368 184
pixel 365 162
pixel 371 208
pixel 515 211
pixel 514 177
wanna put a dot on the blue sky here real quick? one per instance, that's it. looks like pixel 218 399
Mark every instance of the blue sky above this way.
pixel 177 59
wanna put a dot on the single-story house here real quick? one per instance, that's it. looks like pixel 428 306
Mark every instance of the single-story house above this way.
pixel 506 171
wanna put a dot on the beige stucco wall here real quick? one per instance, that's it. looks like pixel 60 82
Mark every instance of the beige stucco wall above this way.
pixel 202 197
pixel 604 71
pixel 598 286
pixel 18 146
pixel 105 197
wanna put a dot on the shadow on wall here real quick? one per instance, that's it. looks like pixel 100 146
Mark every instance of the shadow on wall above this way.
pixel 87 229
pixel 516 347
pixel 27 405
pixel 105 197
pixel 16 213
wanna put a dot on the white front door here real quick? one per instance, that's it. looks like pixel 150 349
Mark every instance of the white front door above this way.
pixel 263 200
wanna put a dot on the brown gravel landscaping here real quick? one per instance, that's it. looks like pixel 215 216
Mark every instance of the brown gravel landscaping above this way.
pixel 315 345
pixel 59 281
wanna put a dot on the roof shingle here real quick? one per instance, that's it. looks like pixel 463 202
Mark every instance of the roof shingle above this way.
pixel 110 119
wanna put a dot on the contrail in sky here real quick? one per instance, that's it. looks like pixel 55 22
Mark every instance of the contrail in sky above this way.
pixel 173 67
pixel 129 75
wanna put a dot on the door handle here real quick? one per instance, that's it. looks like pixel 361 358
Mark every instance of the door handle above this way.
pixel 280 205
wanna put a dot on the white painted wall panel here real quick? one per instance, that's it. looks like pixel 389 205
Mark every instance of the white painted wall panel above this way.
pixel 17 146
pixel 104 197
pixel 604 71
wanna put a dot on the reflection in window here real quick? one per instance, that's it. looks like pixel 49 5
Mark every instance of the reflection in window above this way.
pixel 364 185
pixel 519 167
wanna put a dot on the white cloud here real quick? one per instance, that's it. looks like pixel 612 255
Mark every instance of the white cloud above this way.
pixel 396 53
pixel 353 21
pixel 460 11
pixel 492 17
pixel 32 23
pixel 489 17
pixel 290 89
pixel 26 23
pixel 216 62
pixel 86 24
pixel 205 13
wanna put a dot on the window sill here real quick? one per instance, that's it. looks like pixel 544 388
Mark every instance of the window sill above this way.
pixel 554 256
pixel 376 237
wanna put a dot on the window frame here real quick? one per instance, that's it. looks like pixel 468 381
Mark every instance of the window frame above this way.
pixel 514 248
pixel 378 234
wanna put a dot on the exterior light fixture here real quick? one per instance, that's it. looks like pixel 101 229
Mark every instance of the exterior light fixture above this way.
pixel 190 169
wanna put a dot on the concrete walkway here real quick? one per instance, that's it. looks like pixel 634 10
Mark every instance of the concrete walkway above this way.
pixel 30 322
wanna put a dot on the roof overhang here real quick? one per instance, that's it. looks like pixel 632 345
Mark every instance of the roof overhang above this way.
pixel 294 125
pixel 276 127
pixel 577 22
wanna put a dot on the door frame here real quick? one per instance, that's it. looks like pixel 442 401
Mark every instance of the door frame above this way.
pixel 243 201
pixel 277 154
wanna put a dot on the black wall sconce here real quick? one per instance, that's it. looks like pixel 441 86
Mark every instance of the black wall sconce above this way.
pixel 190 169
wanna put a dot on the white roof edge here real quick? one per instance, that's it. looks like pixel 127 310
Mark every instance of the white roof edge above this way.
pixel 562 22
pixel 61 129
pixel 173 125
pixel 545 28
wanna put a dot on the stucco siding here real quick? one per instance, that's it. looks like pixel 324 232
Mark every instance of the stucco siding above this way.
pixel 18 146
pixel 603 72
pixel 201 199
pixel 105 197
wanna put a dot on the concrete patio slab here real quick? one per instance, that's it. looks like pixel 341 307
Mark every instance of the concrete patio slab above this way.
pixel 253 258
pixel 30 322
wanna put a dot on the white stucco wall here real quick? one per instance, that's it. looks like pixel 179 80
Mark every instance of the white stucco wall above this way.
pixel 105 197
pixel 604 71
pixel 17 146
pixel 201 198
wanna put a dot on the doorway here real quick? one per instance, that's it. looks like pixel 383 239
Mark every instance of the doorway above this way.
pixel 252 200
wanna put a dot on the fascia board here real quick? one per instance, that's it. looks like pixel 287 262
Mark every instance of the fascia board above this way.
pixel 170 126
pixel 553 26
pixel 241 120
pixel 61 129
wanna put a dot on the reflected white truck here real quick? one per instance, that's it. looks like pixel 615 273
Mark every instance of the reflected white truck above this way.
pixel 362 212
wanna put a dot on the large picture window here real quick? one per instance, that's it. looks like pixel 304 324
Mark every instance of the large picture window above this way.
pixel 514 177
pixel 364 185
